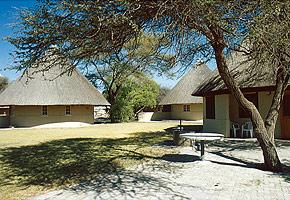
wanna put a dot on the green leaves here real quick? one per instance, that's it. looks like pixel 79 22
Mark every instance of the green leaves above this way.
pixel 136 94
pixel 270 36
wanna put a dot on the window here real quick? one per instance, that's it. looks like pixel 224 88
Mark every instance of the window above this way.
pixel 253 97
pixel 166 108
pixel 4 111
pixel 186 108
pixel 210 107
pixel 44 110
pixel 67 110
pixel 286 107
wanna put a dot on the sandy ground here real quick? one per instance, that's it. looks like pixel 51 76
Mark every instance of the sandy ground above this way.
pixel 82 124
pixel 228 172
pixel 64 125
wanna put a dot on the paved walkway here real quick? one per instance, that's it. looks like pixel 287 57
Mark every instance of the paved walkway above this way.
pixel 226 173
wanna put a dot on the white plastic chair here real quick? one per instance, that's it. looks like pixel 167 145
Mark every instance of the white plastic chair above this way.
pixel 247 129
pixel 235 128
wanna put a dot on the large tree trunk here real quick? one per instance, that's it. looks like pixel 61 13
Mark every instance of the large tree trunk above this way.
pixel 271 159
pixel 112 101
pixel 112 98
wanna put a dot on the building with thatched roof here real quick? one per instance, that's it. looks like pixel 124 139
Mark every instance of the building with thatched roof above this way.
pixel 179 103
pixel 221 111
pixel 46 97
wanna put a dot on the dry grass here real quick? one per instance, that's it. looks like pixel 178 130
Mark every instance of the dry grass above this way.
pixel 34 161
pixel 20 137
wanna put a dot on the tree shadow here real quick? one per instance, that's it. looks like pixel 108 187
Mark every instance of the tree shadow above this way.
pixel 97 166
pixel 101 164
pixel 236 145
pixel 180 158
pixel 230 149
pixel 237 161
pixel 286 173
pixel 71 161
pixel 129 184
pixel 282 143
pixel 56 163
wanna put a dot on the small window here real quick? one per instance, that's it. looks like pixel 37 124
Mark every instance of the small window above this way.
pixel 253 97
pixel 186 108
pixel 67 110
pixel 210 107
pixel 166 108
pixel 44 110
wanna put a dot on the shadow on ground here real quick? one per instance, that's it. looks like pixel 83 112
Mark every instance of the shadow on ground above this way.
pixel 236 145
pixel 70 161
pixel 102 161
pixel 180 158
pixel 127 185
pixel 97 165
pixel 230 149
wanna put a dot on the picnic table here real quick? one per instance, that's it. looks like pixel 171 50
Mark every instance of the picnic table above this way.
pixel 202 138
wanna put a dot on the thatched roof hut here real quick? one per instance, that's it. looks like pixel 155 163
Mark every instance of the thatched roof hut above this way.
pixel 48 88
pixel 257 82
pixel 181 93
pixel 249 77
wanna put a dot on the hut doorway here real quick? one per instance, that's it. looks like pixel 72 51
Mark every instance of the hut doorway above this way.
pixel 4 116
pixel 285 119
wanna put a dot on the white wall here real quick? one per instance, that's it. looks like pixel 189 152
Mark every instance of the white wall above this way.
pixel 145 116
pixel 26 116
pixel 177 113
pixel 221 123
pixel 195 113
pixel 227 110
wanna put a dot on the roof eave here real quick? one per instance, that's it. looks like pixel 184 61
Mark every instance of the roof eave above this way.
pixel 226 91
pixel 71 104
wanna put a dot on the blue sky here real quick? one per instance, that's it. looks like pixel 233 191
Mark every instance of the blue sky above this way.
pixel 8 16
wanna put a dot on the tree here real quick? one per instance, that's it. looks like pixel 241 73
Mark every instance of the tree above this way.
pixel 111 71
pixel 3 83
pixel 270 45
pixel 193 29
pixel 135 95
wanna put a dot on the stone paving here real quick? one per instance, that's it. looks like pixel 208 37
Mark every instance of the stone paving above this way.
pixel 228 172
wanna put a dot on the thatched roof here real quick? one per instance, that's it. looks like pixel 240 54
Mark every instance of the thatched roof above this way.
pixel 46 88
pixel 248 77
pixel 181 93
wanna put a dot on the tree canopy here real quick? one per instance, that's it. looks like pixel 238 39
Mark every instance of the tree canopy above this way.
pixel 136 94
pixel 110 72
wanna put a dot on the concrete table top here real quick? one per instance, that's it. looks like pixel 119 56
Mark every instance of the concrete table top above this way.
pixel 202 138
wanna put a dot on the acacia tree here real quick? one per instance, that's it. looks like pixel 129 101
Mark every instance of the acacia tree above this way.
pixel 270 48
pixel 193 29
pixel 136 94
pixel 110 72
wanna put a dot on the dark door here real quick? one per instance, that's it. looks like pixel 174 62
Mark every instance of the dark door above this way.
pixel 285 119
